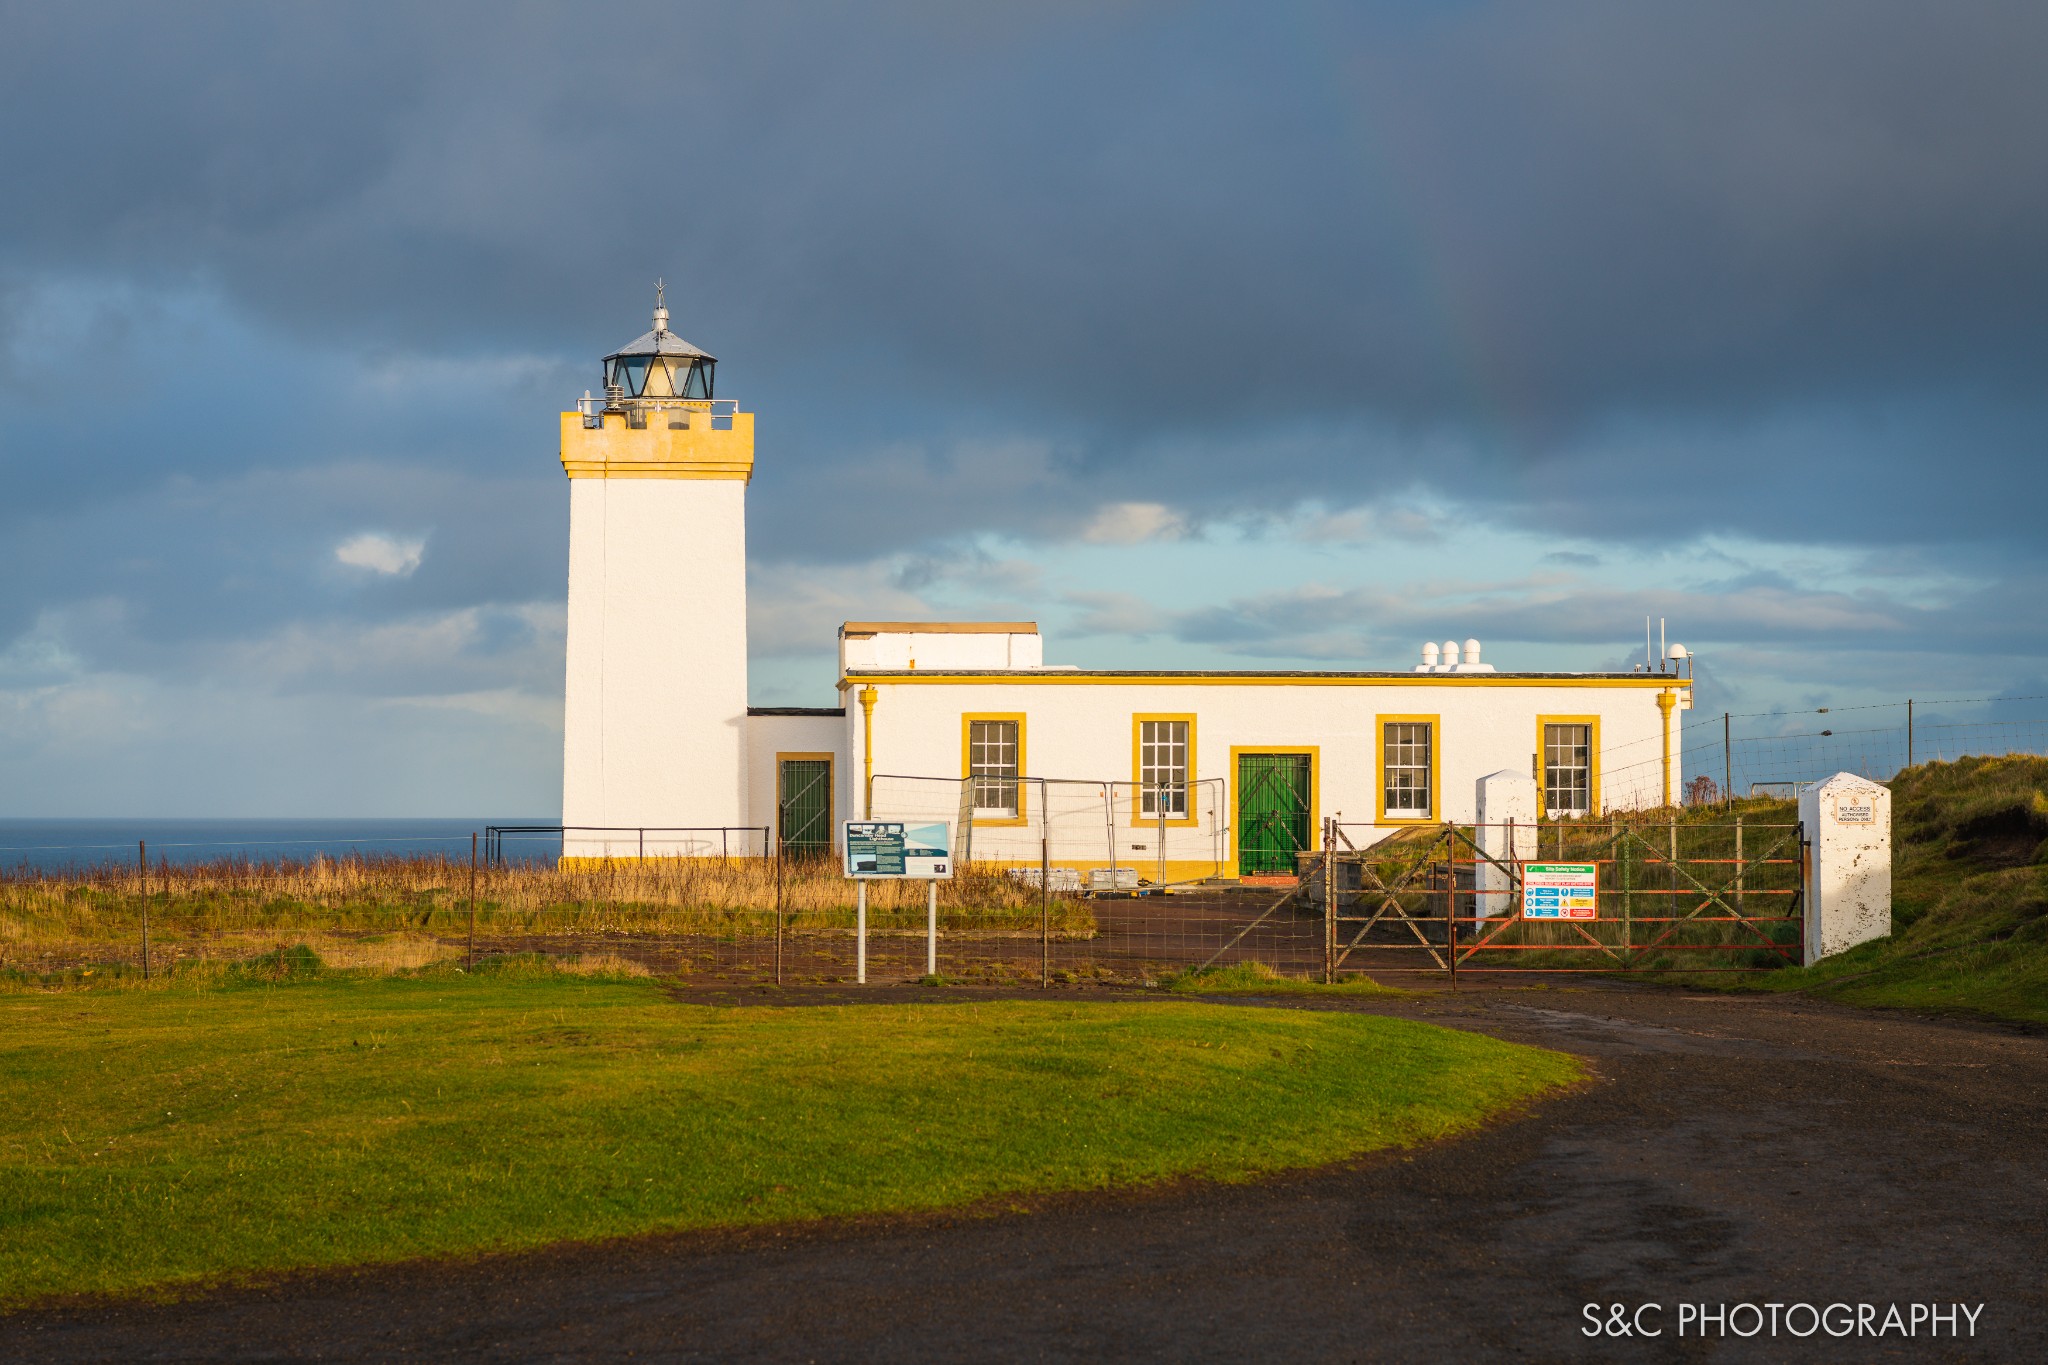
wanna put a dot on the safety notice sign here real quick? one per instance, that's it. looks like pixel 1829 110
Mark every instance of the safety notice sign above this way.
pixel 1560 890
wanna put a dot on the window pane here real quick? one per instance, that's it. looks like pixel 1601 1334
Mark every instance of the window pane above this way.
pixel 1568 769
pixel 992 764
pixel 1163 768
pixel 631 375
pixel 1406 745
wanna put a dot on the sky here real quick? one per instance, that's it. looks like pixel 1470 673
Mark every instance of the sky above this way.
pixel 1241 336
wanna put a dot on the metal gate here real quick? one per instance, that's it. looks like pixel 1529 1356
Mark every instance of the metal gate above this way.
pixel 1656 896
pixel 1272 811
pixel 804 807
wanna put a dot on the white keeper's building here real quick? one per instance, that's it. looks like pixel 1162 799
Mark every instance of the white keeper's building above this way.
pixel 1184 773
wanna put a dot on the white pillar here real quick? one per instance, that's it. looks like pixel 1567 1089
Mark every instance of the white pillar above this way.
pixel 1848 827
pixel 1504 797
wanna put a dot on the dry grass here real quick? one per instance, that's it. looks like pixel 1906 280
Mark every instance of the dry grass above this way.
pixel 400 913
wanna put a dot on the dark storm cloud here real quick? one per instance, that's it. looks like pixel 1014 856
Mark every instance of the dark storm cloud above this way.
pixel 1606 255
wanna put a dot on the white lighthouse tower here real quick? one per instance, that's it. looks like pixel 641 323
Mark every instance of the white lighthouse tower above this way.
pixel 654 742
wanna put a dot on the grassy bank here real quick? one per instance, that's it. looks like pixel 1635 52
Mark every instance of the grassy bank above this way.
pixel 1969 898
pixel 172 1136
pixel 1256 978
pixel 404 912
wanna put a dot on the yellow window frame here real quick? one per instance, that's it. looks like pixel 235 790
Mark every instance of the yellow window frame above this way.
pixel 1023 816
pixel 1592 724
pixel 1379 768
pixel 1140 820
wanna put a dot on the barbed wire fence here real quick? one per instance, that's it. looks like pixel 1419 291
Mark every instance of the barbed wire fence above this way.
pixel 1777 753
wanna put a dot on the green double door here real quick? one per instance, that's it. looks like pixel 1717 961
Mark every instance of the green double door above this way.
pixel 805 807
pixel 1272 811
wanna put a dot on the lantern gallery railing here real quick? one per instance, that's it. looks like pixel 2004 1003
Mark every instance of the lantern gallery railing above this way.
pixel 720 410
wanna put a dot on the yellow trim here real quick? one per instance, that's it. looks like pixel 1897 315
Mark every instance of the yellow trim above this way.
pixel 1593 761
pixel 857 628
pixel 867 752
pixel 1066 678
pixel 831 790
pixel 1139 820
pixel 1379 769
pixel 967 720
pixel 1667 699
pixel 613 450
pixel 1315 794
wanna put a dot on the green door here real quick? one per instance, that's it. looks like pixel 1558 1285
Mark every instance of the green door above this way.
pixel 806 807
pixel 1272 811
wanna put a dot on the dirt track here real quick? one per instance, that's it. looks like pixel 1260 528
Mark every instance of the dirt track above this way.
pixel 1735 1150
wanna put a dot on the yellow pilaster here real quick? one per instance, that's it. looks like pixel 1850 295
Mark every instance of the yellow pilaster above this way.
pixel 868 696
pixel 1666 701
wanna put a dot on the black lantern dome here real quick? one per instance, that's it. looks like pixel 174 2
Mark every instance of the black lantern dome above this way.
pixel 658 364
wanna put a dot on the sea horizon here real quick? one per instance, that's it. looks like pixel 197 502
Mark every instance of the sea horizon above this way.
pixel 49 843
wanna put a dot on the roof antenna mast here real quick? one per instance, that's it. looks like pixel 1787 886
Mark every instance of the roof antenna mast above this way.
pixel 660 309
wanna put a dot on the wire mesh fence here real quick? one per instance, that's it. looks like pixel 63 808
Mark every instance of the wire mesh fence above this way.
pixel 1777 753
pixel 1426 899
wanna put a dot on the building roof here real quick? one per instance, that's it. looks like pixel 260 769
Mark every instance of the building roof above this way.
pixel 660 343
pixel 1408 678
pixel 939 628
pixel 796 710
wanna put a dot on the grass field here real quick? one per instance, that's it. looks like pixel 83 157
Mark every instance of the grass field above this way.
pixel 167 1137
pixel 1256 978
pixel 405 912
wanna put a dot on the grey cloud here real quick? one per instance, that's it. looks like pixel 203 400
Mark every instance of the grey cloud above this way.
pixel 1509 223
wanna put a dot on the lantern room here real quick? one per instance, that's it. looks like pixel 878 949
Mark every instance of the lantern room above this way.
pixel 658 364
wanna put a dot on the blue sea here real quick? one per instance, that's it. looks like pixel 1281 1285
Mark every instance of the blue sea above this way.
pixel 70 843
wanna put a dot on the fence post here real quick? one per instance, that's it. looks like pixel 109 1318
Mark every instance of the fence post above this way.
pixel 1738 867
pixel 860 932
pixel 1909 732
pixel 1671 905
pixel 778 911
pixel 1045 907
pixel 142 870
pixel 1159 800
pixel 472 898
pixel 1330 898
pixel 1451 915
pixel 1728 762
pixel 931 927
pixel 1628 908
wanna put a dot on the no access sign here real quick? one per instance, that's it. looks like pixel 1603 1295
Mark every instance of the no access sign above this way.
pixel 1560 890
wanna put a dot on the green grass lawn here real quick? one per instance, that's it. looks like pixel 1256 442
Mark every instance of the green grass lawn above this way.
pixel 173 1136
pixel 1256 979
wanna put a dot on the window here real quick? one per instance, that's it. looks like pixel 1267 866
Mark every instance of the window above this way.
pixel 994 763
pixel 1163 760
pixel 1567 769
pixel 1405 768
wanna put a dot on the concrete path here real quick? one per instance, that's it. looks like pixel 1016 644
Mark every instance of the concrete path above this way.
pixel 1736 1150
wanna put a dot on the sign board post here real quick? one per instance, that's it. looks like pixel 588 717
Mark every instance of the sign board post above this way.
pixel 897 850
pixel 1560 890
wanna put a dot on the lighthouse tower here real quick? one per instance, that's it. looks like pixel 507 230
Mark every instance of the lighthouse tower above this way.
pixel 654 734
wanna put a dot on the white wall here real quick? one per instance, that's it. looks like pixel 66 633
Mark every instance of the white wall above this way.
pixel 655 718
pixel 768 736
pixel 942 649
pixel 1084 730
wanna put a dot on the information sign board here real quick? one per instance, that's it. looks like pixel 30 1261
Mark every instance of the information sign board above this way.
pixel 897 848
pixel 1560 890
